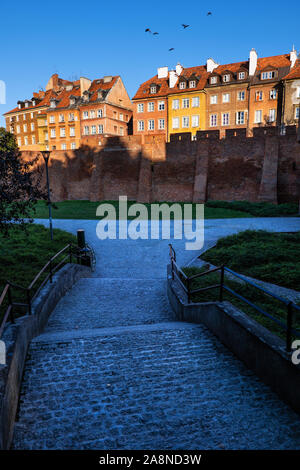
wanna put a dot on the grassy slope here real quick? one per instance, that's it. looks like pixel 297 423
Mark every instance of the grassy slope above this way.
pixel 271 257
pixel 22 255
pixel 213 209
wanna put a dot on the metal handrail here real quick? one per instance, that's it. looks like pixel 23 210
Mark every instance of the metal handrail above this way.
pixel 29 297
pixel 288 326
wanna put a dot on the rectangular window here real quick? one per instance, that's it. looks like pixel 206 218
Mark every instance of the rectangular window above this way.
pixel 297 113
pixel 100 129
pixel 182 85
pixel 213 80
pixel 121 117
pixel 25 127
pixel 121 130
pixel 86 130
pixel 240 117
pixel 140 107
pixel 272 115
pixel 259 96
pixel 92 114
pixel 52 133
pixel 33 140
pixel 161 124
pixel 71 117
pixel 225 119
pixel 195 121
pixel 72 131
pixel 241 75
pixel 185 103
pixel 64 146
pixel 93 130
pixel 175 123
pixel 26 141
pixel 100 113
pixel 73 145
pixel 258 117
pixel 213 120
pixel 51 119
pixel 226 97
pixel 153 89
pixel 161 106
pixel 62 132
pixel 151 106
pixel 31 115
pixel 226 78
pixel 298 92
pixel 267 75
pixel 18 129
pixel 192 84
pixel 32 126
pixel 19 141
pixel 185 121
pixel 85 115
pixel 214 99
pixel 24 117
pixel 175 104
pixel 17 118
pixel 141 126
pixel 61 118
pixel 151 125
pixel 195 102
pixel 273 94
pixel 241 96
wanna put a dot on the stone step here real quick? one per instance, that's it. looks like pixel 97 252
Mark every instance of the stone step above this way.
pixel 169 386
pixel 109 302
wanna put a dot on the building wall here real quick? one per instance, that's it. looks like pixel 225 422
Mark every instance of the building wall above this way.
pixel 232 107
pixel 291 101
pixel 150 115
pixel 58 141
pixel 15 124
pixel 265 105
pixel 265 167
pixel 199 111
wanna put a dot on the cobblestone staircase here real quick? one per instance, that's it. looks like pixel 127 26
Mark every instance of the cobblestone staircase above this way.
pixel 114 370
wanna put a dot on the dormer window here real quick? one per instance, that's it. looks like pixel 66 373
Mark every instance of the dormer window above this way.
pixel 182 85
pixel 213 80
pixel 192 84
pixel 241 75
pixel 100 95
pixel 226 78
pixel 72 101
pixel 267 75
pixel 53 104
pixel 153 89
pixel 26 104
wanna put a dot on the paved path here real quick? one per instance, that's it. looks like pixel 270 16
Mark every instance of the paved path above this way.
pixel 114 370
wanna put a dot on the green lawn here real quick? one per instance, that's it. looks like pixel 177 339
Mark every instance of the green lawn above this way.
pixel 268 304
pixel 271 257
pixel 213 209
pixel 23 254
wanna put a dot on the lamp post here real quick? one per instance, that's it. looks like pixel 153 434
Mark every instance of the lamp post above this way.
pixel 46 156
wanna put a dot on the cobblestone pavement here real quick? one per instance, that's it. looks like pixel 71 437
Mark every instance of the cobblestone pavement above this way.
pixel 113 370
pixel 163 386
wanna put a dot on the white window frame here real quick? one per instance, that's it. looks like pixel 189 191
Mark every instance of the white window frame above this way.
pixel 225 121
pixel 52 119
pixel 86 130
pixel 140 107
pixel 100 113
pixel 240 117
pixel 182 85
pixel 256 116
pixel 195 120
pixel 214 99
pixel 213 120
pixel 175 104
pixel 52 133
pixel 192 84
pixel 267 75
pixel 153 89
pixel 242 75
pixel 185 103
pixel 64 146
pixel 100 129
pixel 185 122
pixel 85 115
pixel 259 96
pixel 241 95
pixel 213 80
pixel 195 102
pixel 32 126
pixel 225 100
pixel 72 131
pixel 141 126
pixel 92 114
pixel 272 115
pixel 25 140
pixel 62 132
pixel 93 129
pixel 151 124
pixel 161 106
pixel 297 112
pixel 73 145
pixel 161 124
pixel 273 94
pixel 226 78
pixel 150 106
pixel 175 123
pixel 61 118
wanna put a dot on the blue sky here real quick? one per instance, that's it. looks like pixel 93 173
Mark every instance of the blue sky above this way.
pixel 94 39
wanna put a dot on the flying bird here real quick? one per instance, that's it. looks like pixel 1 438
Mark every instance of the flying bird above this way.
pixel 209 13
pixel 155 33
pixel 147 30
pixel 185 26
pixel 171 49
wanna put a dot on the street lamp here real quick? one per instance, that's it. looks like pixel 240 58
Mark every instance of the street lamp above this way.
pixel 46 156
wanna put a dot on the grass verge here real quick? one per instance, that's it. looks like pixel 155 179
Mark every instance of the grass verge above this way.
pixel 270 257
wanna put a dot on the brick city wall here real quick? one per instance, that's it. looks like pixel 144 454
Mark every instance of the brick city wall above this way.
pixel 265 167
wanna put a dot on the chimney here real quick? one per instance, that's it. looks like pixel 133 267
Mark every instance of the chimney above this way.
pixel 162 72
pixel 293 57
pixel 179 68
pixel 85 84
pixel 53 82
pixel 252 62
pixel 107 79
pixel 211 65
pixel 172 78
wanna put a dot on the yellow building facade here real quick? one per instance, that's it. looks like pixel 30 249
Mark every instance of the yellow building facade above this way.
pixel 43 139
pixel 186 112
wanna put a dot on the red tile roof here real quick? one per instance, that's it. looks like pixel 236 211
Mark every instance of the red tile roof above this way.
pixel 295 72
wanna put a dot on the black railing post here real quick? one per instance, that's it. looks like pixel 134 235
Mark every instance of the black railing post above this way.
pixel 11 304
pixel 289 327
pixel 189 290
pixel 70 252
pixel 221 283
pixel 29 301
pixel 50 267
